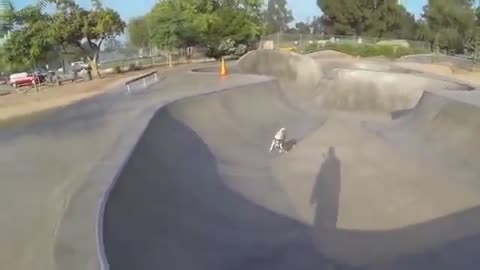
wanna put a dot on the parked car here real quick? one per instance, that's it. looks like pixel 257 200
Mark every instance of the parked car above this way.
pixel 78 66
pixel 42 74
pixel 23 79
pixel 3 79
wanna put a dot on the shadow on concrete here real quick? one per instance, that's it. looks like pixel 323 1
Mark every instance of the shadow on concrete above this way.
pixel 326 191
pixel 432 245
pixel 290 144
pixel 461 254
pixel 325 197
pixel 171 210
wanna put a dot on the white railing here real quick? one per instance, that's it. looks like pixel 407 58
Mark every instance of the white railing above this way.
pixel 142 81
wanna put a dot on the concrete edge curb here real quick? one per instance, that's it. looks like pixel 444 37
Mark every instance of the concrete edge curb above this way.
pixel 131 140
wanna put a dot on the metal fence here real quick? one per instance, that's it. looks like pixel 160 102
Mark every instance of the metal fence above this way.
pixel 303 41
pixel 148 57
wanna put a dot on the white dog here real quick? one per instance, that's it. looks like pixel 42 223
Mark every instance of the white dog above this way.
pixel 279 140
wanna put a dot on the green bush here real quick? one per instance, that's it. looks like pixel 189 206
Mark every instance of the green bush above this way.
pixel 365 50
pixel 117 69
pixel 227 48
pixel 133 67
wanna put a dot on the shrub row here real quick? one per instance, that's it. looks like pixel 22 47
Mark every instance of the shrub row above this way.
pixel 131 67
pixel 366 50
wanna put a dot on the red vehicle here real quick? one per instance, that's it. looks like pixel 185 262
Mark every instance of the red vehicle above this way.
pixel 23 79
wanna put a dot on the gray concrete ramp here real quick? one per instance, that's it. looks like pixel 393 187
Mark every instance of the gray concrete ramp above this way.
pixel 169 222
pixel 358 191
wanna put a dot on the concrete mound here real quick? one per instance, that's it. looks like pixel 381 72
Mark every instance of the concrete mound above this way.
pixel 367 90
pixel 290 67
pixel 328 54
pixel 450 124
pixel 358 190
pixel 365 85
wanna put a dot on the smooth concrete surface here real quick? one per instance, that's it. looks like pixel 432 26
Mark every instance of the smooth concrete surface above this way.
pixel 358 191
pixel 55 167
pixel 178 176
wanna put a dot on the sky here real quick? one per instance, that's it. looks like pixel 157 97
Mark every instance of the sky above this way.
pixel 302 9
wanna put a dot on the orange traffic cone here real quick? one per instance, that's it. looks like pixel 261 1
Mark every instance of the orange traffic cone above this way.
pixel 223 68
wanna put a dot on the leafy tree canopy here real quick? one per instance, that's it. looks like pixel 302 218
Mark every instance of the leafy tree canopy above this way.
pixel 277 16
pixel 448 22
pixel 184 23
pixel 380 18
pixel 67 26
pixel 7 16
pixel 303 28
pixel 139 32
pixel 31 42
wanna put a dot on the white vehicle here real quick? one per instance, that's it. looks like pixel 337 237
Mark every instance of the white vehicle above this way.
pixel 79 65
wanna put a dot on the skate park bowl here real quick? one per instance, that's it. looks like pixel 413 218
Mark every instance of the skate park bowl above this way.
pixel 382 173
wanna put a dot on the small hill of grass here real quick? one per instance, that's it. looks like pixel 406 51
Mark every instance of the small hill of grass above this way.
pixel 366 50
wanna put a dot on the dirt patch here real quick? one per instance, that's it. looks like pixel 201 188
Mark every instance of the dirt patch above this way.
pixel 472 77
pixel 430 68
pixel 16 104
pixel 19 104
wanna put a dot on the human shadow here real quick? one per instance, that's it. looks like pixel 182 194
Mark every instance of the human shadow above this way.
pixel 326 191
pixel 444 243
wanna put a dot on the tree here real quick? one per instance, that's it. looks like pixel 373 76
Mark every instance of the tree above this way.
pixel 244 27
pixel 303 28
pixel 344 17
pixel 472 38
pixel 277 16
pixel 7 16
pixel 388 19
pixel 218 25
pixel 72 25
pixel 111 45
pixel 379 18
pixel 423 31
pixel 449 21
pixel 178 23
pixel 317 25
pixel 31 43
pixel 139 32
pixel 408 25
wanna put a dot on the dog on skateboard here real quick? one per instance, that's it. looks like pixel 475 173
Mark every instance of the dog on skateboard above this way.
pixel 278 141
